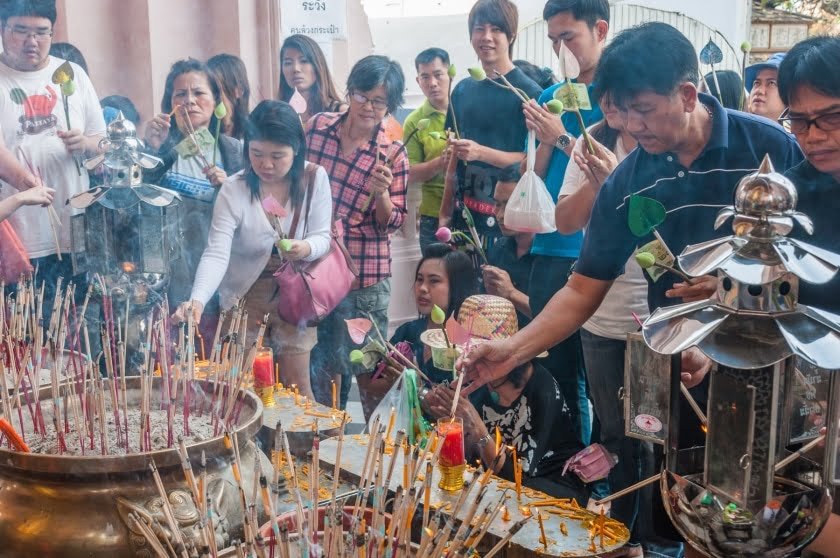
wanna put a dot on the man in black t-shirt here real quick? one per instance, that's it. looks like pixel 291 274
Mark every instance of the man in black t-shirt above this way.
pixel 487 118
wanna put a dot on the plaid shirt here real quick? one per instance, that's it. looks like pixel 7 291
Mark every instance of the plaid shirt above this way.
pixel 368 243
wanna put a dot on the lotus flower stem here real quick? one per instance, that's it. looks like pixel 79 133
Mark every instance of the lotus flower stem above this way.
pixel 511 87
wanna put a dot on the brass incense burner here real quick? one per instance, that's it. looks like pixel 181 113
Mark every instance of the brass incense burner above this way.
pixel 78 506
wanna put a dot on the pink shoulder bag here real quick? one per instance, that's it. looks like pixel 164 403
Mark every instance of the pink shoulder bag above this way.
pixel 309 291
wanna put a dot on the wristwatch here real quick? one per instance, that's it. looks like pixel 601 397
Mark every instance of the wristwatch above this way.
pixel 563 141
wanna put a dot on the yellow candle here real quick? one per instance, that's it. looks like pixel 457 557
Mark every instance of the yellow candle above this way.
pixel 334 396
pixel 406 450
pixel 277 375
pixel 543 540
pixel 297 401
pixel 391 420
pixel 517 475
pixel 505 513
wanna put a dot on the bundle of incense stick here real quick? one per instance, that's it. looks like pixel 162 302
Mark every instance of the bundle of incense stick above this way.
pixel 363 526
pixel 88 410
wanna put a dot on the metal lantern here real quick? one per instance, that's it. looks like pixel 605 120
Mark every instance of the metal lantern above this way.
pixel 128 231
pixel 753 493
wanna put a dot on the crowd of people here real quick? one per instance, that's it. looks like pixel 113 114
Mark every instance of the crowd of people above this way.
pixel 559 305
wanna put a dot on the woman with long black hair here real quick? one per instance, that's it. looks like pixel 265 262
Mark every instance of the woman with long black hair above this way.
pixel 304 68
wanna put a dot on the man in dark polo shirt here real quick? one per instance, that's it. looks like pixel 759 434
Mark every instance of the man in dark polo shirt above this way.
pixel 510 261
pixel 692 152
pixel 809 85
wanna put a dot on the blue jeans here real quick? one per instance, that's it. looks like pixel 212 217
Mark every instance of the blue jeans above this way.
pixel 428 228
pixel 331 356
pixel 605 371
pixel 565 360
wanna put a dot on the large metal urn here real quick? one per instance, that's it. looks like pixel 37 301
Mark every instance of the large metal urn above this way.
pixel 78 506
pixel 771 389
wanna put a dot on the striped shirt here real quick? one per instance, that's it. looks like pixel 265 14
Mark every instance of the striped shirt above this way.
pixel 369 244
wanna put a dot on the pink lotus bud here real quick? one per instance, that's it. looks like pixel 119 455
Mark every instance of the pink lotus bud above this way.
pixel 443 234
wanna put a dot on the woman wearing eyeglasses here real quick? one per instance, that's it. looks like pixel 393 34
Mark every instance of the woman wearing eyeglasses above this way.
pixel 368 173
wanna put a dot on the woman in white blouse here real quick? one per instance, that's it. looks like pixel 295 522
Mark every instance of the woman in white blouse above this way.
pixel 242 251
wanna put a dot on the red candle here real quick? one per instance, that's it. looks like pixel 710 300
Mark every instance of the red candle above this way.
pixel 452 452
pixel 264 368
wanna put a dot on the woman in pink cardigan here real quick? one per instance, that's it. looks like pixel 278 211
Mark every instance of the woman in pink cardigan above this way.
pixel 243 251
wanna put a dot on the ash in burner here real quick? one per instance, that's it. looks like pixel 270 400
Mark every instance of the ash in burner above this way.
pixel 201 429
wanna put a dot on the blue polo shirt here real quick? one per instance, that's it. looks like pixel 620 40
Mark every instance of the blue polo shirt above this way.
pixel 819 199
pixel 691 196
pixel 556 244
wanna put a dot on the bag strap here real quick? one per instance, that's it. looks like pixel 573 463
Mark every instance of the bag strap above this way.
pixel 309 177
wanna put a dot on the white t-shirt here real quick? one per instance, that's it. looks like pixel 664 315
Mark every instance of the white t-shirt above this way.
pixel 31 112
pixel 628 294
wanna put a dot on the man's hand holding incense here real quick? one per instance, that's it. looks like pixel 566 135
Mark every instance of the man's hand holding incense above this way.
pixel 695 366
pixel 486 362
pixel 702 288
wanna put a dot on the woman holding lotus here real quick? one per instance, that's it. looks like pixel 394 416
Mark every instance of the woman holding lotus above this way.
pixel 195 162
pixel 252 233
pixel 368 173
pixel 304 69
pixel 444 278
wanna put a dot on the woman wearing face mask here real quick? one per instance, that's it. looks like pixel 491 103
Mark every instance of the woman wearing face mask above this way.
pixel 303 67
pixel 444 277
pixel 193 169
pixel 242 254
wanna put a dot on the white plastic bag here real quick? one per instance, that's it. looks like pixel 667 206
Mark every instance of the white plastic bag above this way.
pixel 530 208
pixel 394 399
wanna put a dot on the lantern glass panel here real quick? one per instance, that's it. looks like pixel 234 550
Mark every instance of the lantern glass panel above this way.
pixel 807 401
pixel 730 437
pixel 647 392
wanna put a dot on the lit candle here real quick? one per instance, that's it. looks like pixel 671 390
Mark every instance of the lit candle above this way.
pixel 263 368
pixel 517 475
pixel 297 401
pixel 452 452
pixel 334 396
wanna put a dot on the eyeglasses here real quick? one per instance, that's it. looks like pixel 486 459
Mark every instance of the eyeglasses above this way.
pixel 800 125
pixel 375 103
pixel 23 33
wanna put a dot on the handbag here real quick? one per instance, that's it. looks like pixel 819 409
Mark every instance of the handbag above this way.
pixel 309 291
pixel 14 261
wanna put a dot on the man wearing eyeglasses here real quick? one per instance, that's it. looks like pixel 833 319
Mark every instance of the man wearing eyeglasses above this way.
pixel 50 128
pixel 810 85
